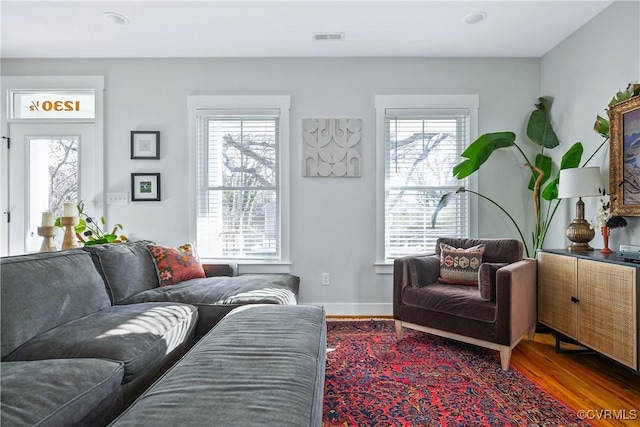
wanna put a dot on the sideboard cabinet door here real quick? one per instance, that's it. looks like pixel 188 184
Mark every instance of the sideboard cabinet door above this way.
pixel 607 318
pixel 558 283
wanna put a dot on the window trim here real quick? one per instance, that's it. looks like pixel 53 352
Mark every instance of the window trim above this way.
pixel 242 102
pixel 384 102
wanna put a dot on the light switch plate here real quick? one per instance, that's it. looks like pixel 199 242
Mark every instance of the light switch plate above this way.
pixel 117 198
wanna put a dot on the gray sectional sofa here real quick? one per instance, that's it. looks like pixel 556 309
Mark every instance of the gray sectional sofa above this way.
pixel 86 331
pixel 130 277
pixel 262 366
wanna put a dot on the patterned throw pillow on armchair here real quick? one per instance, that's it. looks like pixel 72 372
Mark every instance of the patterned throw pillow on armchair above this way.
pixel 460 266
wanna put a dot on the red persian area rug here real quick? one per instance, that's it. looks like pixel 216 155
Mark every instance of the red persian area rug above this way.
pixel 425 380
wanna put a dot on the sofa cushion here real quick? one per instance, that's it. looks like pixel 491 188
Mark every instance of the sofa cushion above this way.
pixel 487 279
pixel 138 335
pixel 71 392
pixel 43 290
pixel 262 365
pixel 457 300
pixel 175 265
pixel 217 296
pixel 127 268
pixel 244 289
pixel 459 266
pixel 423 270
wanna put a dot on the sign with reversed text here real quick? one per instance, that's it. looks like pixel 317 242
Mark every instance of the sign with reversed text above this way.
pixel 52 104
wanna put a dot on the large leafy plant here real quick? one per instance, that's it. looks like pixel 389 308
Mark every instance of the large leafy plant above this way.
pixel 544 177
pixel 540 131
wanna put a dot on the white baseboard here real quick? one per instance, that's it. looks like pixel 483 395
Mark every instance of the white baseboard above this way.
pixel 354 309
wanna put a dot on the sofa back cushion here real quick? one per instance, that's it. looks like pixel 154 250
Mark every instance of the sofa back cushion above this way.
pixel 127 268
pixel 495 250
pixel 44 290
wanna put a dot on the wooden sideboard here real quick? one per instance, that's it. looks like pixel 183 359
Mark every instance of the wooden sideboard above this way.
pixel 591 298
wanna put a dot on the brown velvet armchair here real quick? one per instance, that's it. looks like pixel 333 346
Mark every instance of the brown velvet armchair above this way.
pixel 496 318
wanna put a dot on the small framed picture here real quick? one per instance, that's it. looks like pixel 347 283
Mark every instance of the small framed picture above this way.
pixel 145 187
pixel 145 144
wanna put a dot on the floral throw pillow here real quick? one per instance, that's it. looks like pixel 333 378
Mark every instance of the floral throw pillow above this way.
pixel 460 266
pixel 175 265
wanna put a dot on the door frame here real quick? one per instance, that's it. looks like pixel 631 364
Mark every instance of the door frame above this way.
pixel 44 83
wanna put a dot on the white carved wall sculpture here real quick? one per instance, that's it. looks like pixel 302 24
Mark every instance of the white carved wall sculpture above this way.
pixel 331 147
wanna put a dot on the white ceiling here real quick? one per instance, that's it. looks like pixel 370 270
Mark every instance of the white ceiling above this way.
pixel 77 29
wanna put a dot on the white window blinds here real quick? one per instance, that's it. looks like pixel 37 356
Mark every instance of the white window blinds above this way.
pixel 421 148
pixel 237 184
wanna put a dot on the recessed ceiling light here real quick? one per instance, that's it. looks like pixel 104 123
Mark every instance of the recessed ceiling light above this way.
pixel 475 17
pixel 115 18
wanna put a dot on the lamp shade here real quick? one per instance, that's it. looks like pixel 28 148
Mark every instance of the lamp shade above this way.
pixel 580 182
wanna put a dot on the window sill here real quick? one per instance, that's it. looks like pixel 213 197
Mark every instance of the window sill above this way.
pixel 383 268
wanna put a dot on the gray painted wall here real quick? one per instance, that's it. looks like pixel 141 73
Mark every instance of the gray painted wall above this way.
pixel 333 219
pixel 582 74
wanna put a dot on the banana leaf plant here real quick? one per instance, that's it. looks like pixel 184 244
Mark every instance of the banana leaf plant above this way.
pixel 601 125
pixel 544 176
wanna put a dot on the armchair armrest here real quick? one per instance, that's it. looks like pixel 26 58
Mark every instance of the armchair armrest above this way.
pixel 402 275
pixel 487 279
pixel 215 270
pixel 516 299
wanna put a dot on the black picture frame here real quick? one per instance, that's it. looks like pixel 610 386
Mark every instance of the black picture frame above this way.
pixel 145 187
pixel 145 145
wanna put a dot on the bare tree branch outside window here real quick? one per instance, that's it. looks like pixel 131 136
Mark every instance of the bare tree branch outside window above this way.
pixel 63 173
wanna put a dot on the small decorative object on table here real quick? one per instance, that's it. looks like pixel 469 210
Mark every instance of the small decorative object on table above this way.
pixel 69 220
pixel 48 232
pixel 605 220
pixel 579 182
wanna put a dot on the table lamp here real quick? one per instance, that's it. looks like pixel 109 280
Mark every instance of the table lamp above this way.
pixel 580 182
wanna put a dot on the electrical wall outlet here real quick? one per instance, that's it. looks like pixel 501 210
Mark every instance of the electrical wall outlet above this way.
pixel 117 198
pixel 325 279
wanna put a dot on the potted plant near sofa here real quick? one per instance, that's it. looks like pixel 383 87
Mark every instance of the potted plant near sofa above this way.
pixel 89 232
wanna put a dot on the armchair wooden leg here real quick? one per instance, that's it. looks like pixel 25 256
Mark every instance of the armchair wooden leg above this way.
pixel 398 330
pixel 505 357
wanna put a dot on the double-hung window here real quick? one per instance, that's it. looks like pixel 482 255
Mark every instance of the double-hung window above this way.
pixel 239 177
pixel 420 139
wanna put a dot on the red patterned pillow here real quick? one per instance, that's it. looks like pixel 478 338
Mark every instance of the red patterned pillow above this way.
pixel 175 265
pixel 460 266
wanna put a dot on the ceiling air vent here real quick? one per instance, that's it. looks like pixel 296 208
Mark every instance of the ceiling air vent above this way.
pixel 318 37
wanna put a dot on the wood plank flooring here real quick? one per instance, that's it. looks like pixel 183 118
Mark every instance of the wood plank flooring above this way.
pixel 588 382
pixel 608 392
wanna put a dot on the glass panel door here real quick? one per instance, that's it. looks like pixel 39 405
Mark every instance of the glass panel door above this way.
pixel 49 164
pixel 53 179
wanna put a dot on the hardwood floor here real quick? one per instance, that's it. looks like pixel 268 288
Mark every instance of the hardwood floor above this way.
pixel 609 393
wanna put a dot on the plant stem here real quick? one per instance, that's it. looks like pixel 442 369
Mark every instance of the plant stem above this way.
pixel 506 213
pixel 546 224
pixel 594 153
